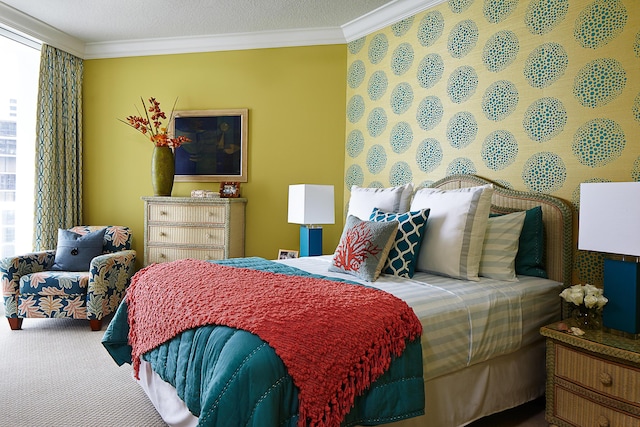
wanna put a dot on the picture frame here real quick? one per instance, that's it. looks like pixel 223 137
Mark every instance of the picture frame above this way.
pixel 287 254
pixel 230 189
pixel 217 151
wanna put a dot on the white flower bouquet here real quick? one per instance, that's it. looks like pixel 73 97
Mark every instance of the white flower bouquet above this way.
pixel 589 295
pixel 589 301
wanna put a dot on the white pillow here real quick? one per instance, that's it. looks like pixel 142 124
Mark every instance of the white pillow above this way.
pixel 392 199
pixel 498 260
pixel 405 198
pixel 453 240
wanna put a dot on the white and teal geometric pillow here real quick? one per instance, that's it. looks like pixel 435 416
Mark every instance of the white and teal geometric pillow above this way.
pixel 404 252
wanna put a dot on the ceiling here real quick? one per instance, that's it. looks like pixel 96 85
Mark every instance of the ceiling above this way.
pixel 98 28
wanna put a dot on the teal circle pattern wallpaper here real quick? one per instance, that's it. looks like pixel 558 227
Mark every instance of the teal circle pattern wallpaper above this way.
pixel 538 95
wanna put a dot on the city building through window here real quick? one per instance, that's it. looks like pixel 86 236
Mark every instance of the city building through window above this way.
pixel 18 99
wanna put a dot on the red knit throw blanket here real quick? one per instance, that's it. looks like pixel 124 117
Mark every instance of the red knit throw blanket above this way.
pixel 334 338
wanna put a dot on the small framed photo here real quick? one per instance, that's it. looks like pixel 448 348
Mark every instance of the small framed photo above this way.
pixel 287 254
pixel 229 189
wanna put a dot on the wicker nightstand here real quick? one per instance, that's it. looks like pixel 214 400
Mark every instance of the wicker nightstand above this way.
pixel 592 380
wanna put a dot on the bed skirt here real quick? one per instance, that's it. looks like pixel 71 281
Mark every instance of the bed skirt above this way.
pixel 452 400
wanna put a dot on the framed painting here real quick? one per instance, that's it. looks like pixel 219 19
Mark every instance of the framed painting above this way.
pixel 217 151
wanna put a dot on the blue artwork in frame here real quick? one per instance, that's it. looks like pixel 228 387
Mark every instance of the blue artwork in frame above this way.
pixel 218 148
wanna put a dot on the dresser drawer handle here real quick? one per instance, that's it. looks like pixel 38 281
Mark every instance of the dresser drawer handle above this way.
pixel 163 234
pixel 603 421
pixel 162 256
pixel 209 236
pixel 163 212
pixel 605 378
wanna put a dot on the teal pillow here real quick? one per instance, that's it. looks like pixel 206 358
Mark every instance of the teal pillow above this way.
pixel 406 246
pixel 75 251
pixel 363 248
pixel 530 256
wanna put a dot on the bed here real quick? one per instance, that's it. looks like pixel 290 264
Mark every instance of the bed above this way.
pixel 480 348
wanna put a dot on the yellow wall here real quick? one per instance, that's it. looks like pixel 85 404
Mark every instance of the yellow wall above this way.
pixel 296 102
pixel 571 115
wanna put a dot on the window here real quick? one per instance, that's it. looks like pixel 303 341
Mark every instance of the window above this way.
pixel 8 128
pixel 18 98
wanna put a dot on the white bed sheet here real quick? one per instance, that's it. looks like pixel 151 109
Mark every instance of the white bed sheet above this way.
pixel 464 322
pixel 466 378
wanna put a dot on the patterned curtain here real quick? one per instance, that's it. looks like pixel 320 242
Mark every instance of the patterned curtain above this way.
pixel 58 181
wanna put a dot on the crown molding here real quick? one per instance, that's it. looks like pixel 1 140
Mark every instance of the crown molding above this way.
pixel 222 42
pixel 373 21
pixel 384 16
pixel 39 31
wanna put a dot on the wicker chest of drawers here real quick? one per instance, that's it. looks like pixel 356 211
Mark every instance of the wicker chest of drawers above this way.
pixel 190 227
pixel 592 380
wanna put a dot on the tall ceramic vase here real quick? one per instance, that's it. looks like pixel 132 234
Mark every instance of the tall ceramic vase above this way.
pixel 162 171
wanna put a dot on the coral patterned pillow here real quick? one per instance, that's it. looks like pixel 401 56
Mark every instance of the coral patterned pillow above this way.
pixel 363 248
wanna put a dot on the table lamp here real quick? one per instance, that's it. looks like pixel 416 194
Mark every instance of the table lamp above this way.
pixel 610 223
pixel 310 205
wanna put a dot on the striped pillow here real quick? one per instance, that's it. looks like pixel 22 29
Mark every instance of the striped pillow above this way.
pixel 501 246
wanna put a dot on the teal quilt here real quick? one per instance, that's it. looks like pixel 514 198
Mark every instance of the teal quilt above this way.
pixel 230 377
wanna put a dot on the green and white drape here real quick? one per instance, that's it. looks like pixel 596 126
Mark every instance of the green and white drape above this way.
pixel 58 181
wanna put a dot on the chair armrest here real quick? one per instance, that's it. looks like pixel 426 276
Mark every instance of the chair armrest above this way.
pixel 112 270
pixel 12 268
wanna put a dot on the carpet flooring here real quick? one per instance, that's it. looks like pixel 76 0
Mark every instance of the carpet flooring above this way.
pixel 56 373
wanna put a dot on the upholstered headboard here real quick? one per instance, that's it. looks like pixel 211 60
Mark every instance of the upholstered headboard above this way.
pixel 557 216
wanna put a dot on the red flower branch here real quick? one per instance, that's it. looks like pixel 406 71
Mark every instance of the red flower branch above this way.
pixel 153 125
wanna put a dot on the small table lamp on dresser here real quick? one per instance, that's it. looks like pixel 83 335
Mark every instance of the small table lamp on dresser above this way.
pixel 610 223
pixel 310 205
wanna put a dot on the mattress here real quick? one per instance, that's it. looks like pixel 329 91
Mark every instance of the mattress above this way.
pixel 465 324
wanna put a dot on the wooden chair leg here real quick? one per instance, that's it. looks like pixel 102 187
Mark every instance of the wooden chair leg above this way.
pixel 95 324
pixel 15 323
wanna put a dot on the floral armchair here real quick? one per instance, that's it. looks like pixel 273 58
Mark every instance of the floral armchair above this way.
pixel 31 289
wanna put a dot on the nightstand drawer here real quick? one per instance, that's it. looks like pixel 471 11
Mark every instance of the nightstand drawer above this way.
pixel 579 411
pixel 609 378
pixel 166 254
pixel 212 214
pixel 184 235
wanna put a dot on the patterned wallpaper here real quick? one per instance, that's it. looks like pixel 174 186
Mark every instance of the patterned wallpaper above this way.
pixel 537 95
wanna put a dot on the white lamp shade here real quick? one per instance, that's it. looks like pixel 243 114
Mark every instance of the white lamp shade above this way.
pixel 610 217
pixel 311 204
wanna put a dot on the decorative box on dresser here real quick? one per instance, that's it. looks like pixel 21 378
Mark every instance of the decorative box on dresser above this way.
pixel 592 380
pixel 193 227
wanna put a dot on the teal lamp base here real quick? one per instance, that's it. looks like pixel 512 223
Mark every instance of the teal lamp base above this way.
pixel 310 240
pixel 622 289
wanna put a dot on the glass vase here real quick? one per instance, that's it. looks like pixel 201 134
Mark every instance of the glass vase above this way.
pixel 162 171
pixel 587 318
